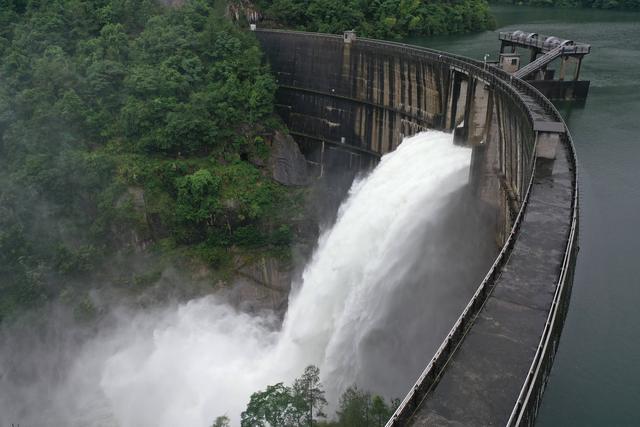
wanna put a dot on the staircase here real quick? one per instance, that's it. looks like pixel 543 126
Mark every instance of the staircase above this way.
pixel 539 63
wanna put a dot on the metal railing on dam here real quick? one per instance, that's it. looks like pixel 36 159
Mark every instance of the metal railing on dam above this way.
pixel 365 94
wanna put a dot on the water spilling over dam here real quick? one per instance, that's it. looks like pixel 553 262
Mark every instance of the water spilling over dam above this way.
pixel 348 100
pixel 378 283
pixel 401 266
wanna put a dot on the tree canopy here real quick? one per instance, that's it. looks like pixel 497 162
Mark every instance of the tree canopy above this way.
pixel 302 404
pixel 279 405
pixel 594 4
pixel 358 408
pixel 380 18
pixel 124 123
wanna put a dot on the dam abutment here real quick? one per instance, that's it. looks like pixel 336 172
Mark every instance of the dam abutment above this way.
pixel 348 100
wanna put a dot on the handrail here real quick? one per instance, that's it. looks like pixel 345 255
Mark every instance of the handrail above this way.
pixel 523 403
pixel 491 74
pixel 516 88
pixel 540 42
pixel 459 326
pixel 538 63
pixel 301 33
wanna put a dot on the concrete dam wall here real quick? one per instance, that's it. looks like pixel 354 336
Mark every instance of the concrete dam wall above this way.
pixel 348 100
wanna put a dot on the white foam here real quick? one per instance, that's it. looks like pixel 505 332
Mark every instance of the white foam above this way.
pixel 186 365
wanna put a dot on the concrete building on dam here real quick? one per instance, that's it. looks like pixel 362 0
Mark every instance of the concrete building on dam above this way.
pixel 349 100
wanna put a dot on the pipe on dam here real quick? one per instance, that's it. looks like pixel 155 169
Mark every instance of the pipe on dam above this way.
pixel 357 98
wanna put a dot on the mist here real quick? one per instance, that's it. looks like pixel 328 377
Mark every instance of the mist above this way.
pixel 384 285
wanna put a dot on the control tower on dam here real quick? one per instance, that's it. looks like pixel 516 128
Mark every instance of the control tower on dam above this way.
pixel 348 100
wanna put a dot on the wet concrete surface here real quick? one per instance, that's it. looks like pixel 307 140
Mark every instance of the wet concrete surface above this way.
pixel 366 96
pixel 483 379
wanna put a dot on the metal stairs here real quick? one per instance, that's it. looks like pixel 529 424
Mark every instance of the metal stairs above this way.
pixel 539 63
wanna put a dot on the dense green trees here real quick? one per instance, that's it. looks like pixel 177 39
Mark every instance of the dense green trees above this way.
pixel 359 408
pixel 222 421
pixel 596 4
pixel 279 405
pixel 276 406
pixel 125 121
pixel 380 18
pixel 301 405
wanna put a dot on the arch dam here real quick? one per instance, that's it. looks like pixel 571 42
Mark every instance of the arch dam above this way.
pixel 348 100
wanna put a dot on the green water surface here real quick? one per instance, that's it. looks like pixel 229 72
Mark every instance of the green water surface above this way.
pixel 596 376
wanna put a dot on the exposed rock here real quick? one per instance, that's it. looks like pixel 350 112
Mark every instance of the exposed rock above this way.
pixel 237 9
pixel 248 296
pixel 135 196
pixel 288 165
pixel 268 272
pixel 260 284
pixel 138 237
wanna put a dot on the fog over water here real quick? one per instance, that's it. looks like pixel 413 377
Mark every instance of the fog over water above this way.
pixel 382 288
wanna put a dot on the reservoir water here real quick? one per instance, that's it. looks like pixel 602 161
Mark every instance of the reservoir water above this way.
pixel 187 363
pixel 595 380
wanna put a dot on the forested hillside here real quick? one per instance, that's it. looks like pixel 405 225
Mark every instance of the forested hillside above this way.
pixel 136 135
pixel 127 125
pixel 595 4
pixel 380 18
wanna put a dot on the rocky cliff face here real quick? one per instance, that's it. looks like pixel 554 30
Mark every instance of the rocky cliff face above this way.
pixel 256 280
pixel 260 284
pixel 238 9
pixel 287 164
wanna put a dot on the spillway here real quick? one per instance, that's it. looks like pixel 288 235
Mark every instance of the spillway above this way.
pixel 377 251
pixel 384 260
pixel 349 99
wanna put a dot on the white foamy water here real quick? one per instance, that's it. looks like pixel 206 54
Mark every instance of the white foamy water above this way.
pixel 186 365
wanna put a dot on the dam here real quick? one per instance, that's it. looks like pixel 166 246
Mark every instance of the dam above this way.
pixel 349 100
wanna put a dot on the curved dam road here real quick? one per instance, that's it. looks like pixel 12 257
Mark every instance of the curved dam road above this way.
pixel 348 100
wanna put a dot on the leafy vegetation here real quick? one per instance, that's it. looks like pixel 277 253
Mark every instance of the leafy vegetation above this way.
pixel 280 405
pixel 303 402
pixel 222 421
pixel 125 124
pixel 359 408
pixel 128 125
pixel 380 18
pixel 595 4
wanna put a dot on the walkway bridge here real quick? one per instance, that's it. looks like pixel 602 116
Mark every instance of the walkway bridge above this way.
pixel 352 99
pixel 543 50
pixel 537 64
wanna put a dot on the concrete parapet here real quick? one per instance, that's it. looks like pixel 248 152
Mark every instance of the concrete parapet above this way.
pixel 547 145
pixel 349 36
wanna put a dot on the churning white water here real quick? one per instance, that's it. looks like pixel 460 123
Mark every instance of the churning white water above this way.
pixel 185 365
